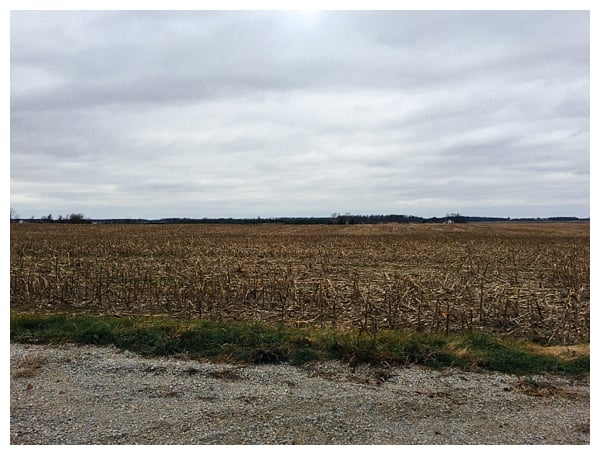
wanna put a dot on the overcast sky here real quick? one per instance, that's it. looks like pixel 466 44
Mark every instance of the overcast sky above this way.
pixel 246 114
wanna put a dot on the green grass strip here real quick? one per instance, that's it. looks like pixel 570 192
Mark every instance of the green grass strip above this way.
pixel 259 343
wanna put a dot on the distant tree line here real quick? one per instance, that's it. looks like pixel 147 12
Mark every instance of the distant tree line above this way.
pixel 72 218
pixel 335 218
pixel 348 218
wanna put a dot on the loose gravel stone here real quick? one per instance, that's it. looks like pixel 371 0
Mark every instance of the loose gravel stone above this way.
pixel 97 395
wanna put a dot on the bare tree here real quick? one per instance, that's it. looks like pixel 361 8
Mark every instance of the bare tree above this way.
pixel 13 214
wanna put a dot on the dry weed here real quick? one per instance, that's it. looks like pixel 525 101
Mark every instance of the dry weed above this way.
pixel 27 367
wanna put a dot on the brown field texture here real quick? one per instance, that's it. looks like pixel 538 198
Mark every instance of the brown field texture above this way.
pixel 529 281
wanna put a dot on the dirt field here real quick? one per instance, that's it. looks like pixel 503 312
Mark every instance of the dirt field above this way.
pixel 525 280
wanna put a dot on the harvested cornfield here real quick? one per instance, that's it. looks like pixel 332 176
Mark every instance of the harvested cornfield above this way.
pixel 529 281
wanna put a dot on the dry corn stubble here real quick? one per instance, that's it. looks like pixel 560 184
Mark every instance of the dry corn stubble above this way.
pixel 525 280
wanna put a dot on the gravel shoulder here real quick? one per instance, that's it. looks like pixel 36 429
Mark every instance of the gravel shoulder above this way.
pixel 97 395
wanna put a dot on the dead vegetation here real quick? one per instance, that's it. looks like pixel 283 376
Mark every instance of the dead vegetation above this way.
pixel 529 281
pixel 27 367
pixel 542 389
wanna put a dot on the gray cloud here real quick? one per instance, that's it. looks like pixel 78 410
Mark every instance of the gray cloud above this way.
pixel 152 114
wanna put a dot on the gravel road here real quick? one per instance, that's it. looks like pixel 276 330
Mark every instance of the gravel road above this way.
pixel 96 395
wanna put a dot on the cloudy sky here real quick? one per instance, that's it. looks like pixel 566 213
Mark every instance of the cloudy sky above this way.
pixel 265 113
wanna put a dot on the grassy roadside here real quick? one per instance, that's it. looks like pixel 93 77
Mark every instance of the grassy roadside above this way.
pixel 259 343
